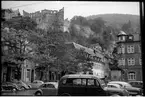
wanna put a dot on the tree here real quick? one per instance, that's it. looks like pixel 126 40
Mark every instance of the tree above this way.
pixel 97 25
pixel 127 27
pixel 14 36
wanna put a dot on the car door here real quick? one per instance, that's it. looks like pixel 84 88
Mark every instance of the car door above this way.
pixel 79 87
pixel 49 90
pixel 33 84
pixel 39 83
pixel 93 88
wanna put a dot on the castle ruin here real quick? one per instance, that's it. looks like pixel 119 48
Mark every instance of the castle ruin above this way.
pixel 47 18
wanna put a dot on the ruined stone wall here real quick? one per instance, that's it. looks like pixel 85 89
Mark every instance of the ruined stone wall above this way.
pixel 46 18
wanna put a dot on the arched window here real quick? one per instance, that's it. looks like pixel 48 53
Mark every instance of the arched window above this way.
pixel 131 76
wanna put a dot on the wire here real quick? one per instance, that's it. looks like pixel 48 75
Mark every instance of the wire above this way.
pixel 26 5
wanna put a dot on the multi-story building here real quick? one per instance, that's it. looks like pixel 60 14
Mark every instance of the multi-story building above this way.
pixel 130 59
pixel 100 66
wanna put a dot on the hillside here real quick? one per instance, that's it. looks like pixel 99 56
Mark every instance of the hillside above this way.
pixel 117 20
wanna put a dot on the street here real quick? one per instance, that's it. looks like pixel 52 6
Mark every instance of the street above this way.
pixel 21 93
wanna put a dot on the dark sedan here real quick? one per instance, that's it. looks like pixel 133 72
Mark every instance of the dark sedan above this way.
pixel 85 85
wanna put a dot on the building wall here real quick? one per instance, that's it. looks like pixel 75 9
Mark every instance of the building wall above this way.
pixel 27 69
pixel 137 68
pixel 115 75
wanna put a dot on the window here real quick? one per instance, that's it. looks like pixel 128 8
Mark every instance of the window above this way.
pixel 119 62
pixel 122 61
pixel 130 37
pixel 84 82
pixel 140 61
pixel 139 48
pixel 77 82
pixel 123 49
pixel 131 76
pixel 130 49
pixel 91 82
pixel 49 86
pixel 119 50
pixel 122 38
pixel 131 61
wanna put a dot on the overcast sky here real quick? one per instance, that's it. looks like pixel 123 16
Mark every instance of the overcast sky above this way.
pixel 72 8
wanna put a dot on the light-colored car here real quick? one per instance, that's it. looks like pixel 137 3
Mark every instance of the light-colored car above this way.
pixel 133 91
pixel 48 88
pixel 113 86
pixel 22 85
pixel 36 84
pixel 138 84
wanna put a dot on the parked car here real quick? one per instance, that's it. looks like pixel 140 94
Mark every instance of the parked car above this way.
pixel 36 83
pixel 47 89
pixel 113 86
pixel 11 85
pixel 138 84
pixel 85 85
pixel 8 89
pixel 133 91
pixel 21 85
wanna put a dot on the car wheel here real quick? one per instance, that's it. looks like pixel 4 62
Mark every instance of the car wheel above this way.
pixel 38 93
pixel 115 95
pixel 65 94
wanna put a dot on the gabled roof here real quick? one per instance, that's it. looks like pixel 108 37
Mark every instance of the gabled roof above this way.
pixel 122 33
pixel 87 50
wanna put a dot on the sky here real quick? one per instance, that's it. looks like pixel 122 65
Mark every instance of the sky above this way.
pixel 72 8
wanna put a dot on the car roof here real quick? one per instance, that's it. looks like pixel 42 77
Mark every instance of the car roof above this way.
pixel 50 83
pixel 121 82
pixel 136 81
pixel 113 84
pixel 80 76
pixel 54 83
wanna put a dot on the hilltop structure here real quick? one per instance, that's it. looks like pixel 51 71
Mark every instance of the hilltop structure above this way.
pixel 47 19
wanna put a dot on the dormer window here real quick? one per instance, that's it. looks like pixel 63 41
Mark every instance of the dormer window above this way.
pixel 130 37
pixel 122 38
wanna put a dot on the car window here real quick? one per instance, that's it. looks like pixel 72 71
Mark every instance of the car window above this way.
pixel 114 86
pixel 109 86
pixel 84 82
pixel 50 86
pixel 34 81
pixel 64 81
pixel 43 86
pixel 91 82
pixel 77 82
pixel 127 85
pixel 74 81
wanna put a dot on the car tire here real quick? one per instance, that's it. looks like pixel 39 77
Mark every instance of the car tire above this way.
pixel 65 94
pixel 38 93
pixel 115 95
